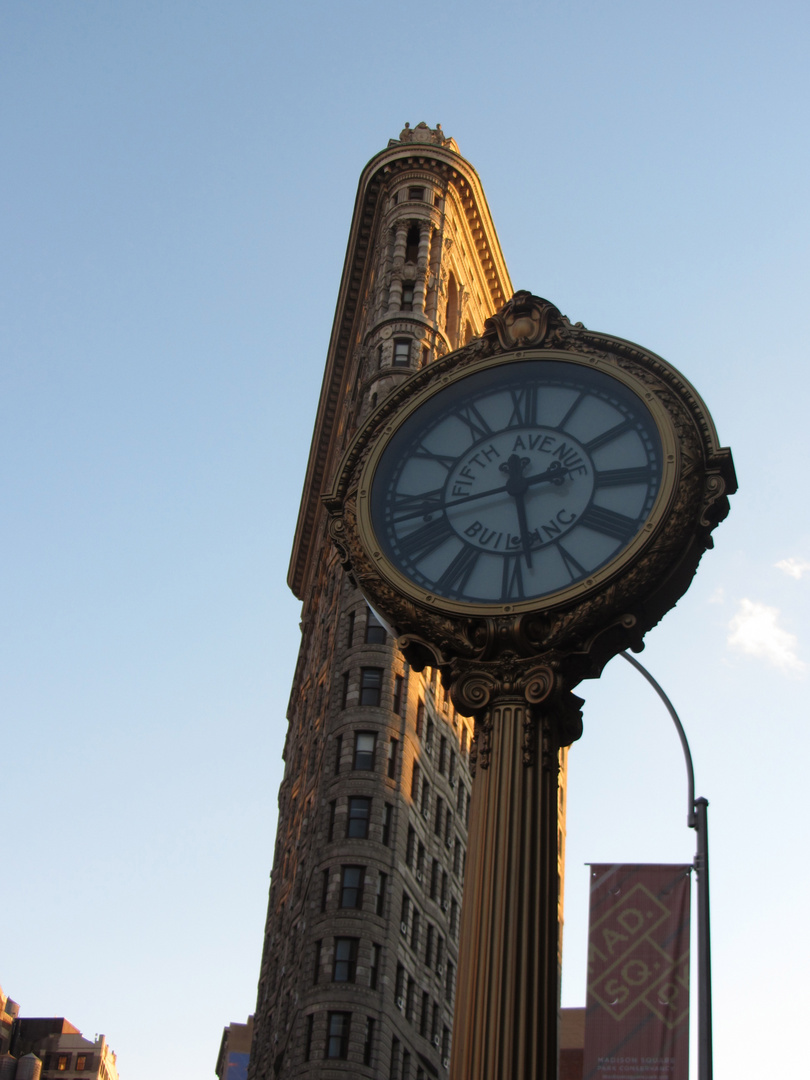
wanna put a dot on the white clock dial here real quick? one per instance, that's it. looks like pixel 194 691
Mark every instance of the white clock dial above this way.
pixel 516 482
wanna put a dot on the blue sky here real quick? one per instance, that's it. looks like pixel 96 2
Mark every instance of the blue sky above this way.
pixel 176 194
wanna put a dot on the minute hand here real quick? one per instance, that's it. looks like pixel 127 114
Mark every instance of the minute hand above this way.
pixel 555 473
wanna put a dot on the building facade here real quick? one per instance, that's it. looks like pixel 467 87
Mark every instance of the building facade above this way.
pixel 361 940
pixel 61 1048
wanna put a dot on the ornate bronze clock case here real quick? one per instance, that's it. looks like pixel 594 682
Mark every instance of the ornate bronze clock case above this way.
pixel 534 501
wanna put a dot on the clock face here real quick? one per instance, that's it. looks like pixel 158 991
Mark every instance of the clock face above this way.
pixel 516 483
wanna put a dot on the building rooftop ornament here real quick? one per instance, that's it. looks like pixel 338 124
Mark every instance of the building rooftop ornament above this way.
pixel 424 134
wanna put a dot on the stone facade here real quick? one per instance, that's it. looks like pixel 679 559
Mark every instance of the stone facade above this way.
pixel 361 941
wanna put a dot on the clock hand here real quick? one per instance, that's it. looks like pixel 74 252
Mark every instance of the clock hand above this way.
pixel 516 486
pixel 555 474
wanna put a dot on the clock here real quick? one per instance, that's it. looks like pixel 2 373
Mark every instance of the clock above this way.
pixel 517 483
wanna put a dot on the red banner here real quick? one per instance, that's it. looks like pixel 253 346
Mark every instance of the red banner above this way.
pixel 637 1018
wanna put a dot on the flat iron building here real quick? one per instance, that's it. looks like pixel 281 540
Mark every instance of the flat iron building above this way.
pixel 361 942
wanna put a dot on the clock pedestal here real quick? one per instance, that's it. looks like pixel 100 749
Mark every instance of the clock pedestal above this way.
pixel 508 987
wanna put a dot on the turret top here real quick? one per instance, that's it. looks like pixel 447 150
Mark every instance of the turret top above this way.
pixel 424 134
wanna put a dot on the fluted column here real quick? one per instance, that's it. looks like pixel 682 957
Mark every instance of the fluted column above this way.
pixel 425 230
pixel 395 293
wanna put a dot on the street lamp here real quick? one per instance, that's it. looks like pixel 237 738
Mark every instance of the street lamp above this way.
pixel 696 819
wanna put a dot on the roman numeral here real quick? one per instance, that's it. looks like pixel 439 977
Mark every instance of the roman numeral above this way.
pixel 512 582
pixel 447 461
pixel 576 571
pixel 620 477
pixel 455 577
pixel 424 540
pixel 609 523
pixel 524 407
pixel 478 426
pixel 609 435
pixel 571 410
pixel 412 506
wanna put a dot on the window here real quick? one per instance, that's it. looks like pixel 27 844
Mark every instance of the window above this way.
pixel 415 781
pixel 429 945
pixel 434 879
pixel 62 1062
pixel 375 631
pixel 324 889
pixel 410 846
pixel 351 886
pixel 332 810
pixel 344 692
pixel 405 912
pixel 425 799
pixel 81 1063
pixel 350 632
pixel 415 929
pixel 439 819
pixel 454 917
pixel 412 239
pixel 429 735
pixel 388 813
pixel 392 757
pixel 457 857
pixel 364 743
pixel 316 966
pixel 338 753
pixel 370 686
pixel 424 1016
pixel 399 985
pixel 402 352
pixel 393 1072
pixel 406 1062
pixel 434 1024
pixel 369 1042
pixel 416 194
pixel 451 772
pixel 442 754
pixel 420 859
pixel 382 883
pixel 407 295
pixel 308 1037
pixel 345 965
pixel 399 682
pixel 408 1008
pixel 444 887
pixel 374 970
pixel 439 951
pixel 359 814
pixel 445 1042
pixel 448 828
pixel 420 718
pixel 337 1037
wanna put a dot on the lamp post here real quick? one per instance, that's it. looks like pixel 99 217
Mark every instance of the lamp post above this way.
pixel 697 819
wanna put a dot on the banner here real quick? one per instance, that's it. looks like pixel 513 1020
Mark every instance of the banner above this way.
pixel 637 1017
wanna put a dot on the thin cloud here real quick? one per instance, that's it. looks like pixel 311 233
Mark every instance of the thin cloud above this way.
pixel 793 567
pixel 754 630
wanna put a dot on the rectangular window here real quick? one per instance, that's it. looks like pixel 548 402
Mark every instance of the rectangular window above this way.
pixel 415 930
pixel 407 296
pixel 393 745
pixel 308 1037
pixel 457 857
pixel 351 886
pixel 451 772
pixel 439 819
pixel 424 1016
pixel 406 1064
pixel 338 753
pixel 425 799
pixel 399 985
pixel 448 828
pixel 370 685
pixel 316 966
pixel 344 968
pixel 454 917
pixel 409 1002
pixel 434 1025
pixel 394 1070
pixel 359 814
pixel 442 754
pixel 439 954
pixel 374 970
pixel 332 811
pixel 415 781
pixel 369 1042
pixel 444 888
pixel 388 814
pixel 62 1062
pixel 399 682
pixel 420 859
pixel 446 1042
pixel 337 1035
pixel 402 353
pixel 81 1063
pixel 434 880
pixel 344 691
pixel 429 945
pixel 324 889
pixel 410 846
pixel 416 194
pixel 375 631
pixel 420 718
pixel 405 913
pixel 364 744
pixel 382 884
pixel 350 632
